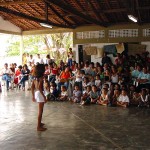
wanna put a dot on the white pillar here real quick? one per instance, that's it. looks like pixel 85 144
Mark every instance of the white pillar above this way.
pixel 21 48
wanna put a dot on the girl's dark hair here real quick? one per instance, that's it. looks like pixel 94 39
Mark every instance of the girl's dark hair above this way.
pixel 39 70
pixel 48 56
pixel 20 67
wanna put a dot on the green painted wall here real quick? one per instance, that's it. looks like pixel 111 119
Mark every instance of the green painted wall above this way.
pixel 140 38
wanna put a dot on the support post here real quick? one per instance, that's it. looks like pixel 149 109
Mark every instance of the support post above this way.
pixel 21 48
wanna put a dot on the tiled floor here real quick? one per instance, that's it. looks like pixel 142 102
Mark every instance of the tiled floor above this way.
pixel 70 126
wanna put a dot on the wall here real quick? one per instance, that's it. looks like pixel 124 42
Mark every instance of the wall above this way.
pixel 8 27
pixel 98 45
pixel 107 39
pixel 147 46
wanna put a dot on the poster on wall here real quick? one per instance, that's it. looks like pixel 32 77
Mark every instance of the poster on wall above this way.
pixel 110 49
pixel 100 53
pixel 91 50
pixel 120 48
pixel 134 49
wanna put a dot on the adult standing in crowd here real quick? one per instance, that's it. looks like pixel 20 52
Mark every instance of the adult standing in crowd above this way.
pixel 31 60
pixel 70 57
pixel 106 59
pixel 39 60
pixel 48 59
pixel 24 59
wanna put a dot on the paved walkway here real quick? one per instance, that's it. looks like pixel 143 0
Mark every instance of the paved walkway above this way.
pixel 70 126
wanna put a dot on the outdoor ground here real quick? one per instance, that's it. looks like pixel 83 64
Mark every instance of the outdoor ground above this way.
pixel 70 126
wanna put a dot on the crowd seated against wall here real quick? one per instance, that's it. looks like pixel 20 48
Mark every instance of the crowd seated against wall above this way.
pixel 125 83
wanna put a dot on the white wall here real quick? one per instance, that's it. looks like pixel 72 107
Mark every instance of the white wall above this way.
pixel 147 45
pixel 8 26
pixel 98 45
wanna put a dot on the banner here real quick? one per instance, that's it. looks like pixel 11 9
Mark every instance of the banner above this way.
pixel 120 48
pixel 91 50
pixel 100 53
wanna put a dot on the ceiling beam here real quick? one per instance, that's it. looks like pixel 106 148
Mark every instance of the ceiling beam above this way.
pixel 9 11
pixel 102 15
pixel 46 11
pixel 59 15
pixel 75 12
pixel 144 8
pixel 93 9
pixel 19 2
pixel 79 5
pixel 139 16
pixel 114 10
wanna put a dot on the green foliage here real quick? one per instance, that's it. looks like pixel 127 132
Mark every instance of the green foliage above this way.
pixel 34 44
pixel 13 48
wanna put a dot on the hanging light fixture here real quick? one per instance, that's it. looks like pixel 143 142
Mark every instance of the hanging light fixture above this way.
pixel 45 25
pixel 131 17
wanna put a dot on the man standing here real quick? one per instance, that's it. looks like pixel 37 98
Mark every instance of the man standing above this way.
pixel 106 60
pixel 39 60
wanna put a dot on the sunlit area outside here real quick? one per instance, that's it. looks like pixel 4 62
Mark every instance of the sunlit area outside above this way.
pixel 56 45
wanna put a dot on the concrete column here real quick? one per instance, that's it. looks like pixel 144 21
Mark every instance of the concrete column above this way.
pixel 21 48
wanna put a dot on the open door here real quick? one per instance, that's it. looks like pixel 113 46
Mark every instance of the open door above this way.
pixel 82 55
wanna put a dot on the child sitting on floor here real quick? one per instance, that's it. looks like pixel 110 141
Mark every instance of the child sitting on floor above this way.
pixel 104 98
pixel 64 94
pixel 85 99
pixel 115 97
pixel 76 94
pixel 53 91
pixel 135 99
pixel 98 82
pixel 144 99
pixel 123 99
pixel 94 95
pixel 47 90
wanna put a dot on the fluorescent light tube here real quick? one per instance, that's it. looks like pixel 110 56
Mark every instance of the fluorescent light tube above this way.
pixel 45 25
pixel 132 18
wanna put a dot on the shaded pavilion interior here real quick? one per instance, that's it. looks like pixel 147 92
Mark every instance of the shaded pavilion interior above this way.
pixel 27 14
pixel 69 125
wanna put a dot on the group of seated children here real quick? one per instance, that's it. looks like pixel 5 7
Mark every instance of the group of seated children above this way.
pixel 86 93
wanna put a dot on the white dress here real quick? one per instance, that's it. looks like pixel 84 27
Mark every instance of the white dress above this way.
pixel 39 97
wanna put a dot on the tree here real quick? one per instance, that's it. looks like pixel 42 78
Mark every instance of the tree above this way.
pixel 58 40
pixel 34 44
pixel 13 47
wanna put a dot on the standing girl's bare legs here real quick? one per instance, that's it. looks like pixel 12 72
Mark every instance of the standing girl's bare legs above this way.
pixel 39 126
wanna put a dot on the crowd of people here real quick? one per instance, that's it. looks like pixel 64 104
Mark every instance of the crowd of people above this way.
pixel 125 83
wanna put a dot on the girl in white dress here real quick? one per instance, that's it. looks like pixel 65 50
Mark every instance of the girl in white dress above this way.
pixel 37 93
pixel 64 94
pixel 104 98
